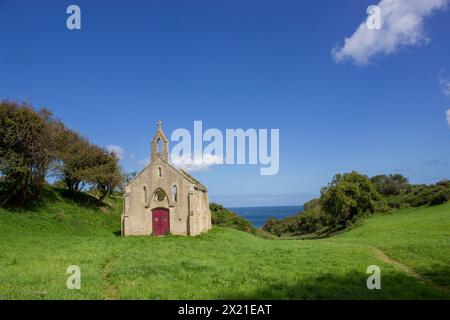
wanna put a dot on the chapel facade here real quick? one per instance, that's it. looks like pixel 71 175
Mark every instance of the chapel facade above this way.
pixel 163 199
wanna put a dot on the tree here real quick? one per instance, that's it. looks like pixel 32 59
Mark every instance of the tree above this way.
pixel 347 196
pixel 34 146
pixel 393 184
pixel 27 149
pixel 75 159
pixel 105 173
pixel 83 163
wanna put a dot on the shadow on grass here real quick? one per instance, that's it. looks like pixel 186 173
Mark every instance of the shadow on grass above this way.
pixel 82 199
pixel 48 195
pixel 439 273
pixel 346 287
pixel 52 195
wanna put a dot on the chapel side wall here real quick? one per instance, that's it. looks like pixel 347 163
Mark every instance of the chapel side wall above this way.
pixel 125 218
pixel 205 214
pixel 208 214
pixel 138 216
pixel 193 212
pixel 200 215
pixel 200 209
pixel 179 219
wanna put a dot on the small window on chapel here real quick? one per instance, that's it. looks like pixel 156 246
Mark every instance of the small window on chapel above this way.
pixel 174 193
pixel 159 172
pixel 145 194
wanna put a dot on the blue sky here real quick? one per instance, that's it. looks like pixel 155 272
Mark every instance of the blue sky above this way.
pixel 243 64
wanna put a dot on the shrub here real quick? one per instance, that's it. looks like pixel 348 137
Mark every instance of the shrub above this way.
pixel 223 217
pixel 382 206
pixel 440 196
pixel 347 196
pixel 314 203
pixel 393 184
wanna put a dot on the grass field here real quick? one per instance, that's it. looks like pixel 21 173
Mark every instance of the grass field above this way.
pixel 410 246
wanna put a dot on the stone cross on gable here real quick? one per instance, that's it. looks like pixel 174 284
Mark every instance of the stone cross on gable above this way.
pixel 159 123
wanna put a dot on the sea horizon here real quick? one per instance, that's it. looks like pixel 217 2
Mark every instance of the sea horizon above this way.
pixel 258 215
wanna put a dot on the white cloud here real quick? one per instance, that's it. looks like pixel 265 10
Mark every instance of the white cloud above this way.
pixel 402 25
pixel 117 150
pixel 144 162
pixel 445 83
pixel 448 117
pixel 197 163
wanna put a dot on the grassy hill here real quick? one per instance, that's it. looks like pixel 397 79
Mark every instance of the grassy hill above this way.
pixel 411 247
pixel 416 237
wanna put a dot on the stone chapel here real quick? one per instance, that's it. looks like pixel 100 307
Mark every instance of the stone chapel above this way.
pixel 164 199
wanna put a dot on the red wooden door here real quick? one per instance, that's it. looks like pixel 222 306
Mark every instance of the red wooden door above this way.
pixel 160 222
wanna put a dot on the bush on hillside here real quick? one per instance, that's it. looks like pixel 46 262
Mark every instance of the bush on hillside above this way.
pixel 440 196
pixel 271 226
pixel 393 184
pixel 223 217
pixel 313 220
pixel 352 196
pixel 310 220
pixel 348 196
pixel 311 204
pixel 284 226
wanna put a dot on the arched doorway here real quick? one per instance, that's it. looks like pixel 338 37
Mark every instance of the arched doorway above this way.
pixel 160 222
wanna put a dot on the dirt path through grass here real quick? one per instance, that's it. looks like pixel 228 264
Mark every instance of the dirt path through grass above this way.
pixel 404 268
pixel 111 292
pixel 379 254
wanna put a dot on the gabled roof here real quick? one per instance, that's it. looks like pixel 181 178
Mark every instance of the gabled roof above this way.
pixel 192 179
pixel 180 171
pixel 186 175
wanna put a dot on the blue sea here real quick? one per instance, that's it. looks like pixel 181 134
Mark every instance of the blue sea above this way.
pixel 259 215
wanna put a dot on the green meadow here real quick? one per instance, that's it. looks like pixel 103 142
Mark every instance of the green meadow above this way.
pixel 411 246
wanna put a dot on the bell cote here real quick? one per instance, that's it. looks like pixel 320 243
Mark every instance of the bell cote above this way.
pixel 160 144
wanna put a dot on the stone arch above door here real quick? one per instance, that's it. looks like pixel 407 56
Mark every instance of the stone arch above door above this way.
pixel 159 199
